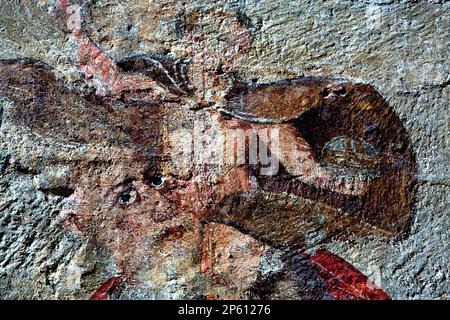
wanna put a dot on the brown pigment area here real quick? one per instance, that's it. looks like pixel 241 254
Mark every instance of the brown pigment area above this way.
pixel 121 205
pixel 335 109
pixel 275 102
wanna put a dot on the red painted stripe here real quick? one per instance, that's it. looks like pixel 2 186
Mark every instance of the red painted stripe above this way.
pixel 343 280
pixel 106 289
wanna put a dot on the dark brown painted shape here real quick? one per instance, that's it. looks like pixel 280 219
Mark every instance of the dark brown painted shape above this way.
pixel 334 108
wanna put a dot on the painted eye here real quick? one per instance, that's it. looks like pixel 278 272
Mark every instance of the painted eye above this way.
pixel 127 196
pixel 350 152
pixel 156 181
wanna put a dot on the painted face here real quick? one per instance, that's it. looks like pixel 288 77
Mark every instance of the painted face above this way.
pixel 336 163
pixel 126 195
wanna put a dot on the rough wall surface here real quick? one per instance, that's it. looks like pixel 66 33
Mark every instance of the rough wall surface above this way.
pixel 75 120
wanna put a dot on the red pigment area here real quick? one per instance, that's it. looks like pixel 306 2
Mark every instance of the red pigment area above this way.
pixel 63 5
pixel 344 281
pixel 73 220
pixel 106 289
pixel 94 62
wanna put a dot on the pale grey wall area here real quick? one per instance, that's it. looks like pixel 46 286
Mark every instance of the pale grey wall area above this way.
pixel 399 47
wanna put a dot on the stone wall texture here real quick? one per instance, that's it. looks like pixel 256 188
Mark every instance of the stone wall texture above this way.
pixel 96 98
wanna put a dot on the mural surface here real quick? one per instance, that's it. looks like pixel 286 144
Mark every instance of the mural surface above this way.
pixel 182 178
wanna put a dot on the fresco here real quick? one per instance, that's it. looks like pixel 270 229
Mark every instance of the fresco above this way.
pixel 353 171
pixel 169 180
